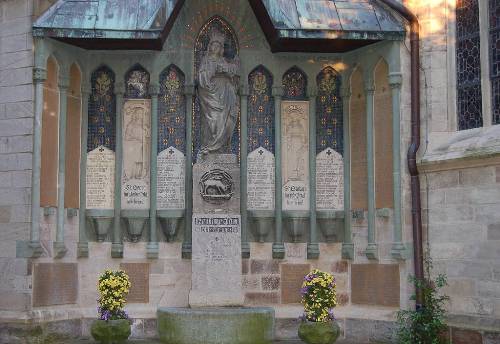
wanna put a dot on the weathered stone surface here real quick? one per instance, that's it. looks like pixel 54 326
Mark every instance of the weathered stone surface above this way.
pixel 292 277
pixel 491 338
pixel 260 179
pixel 343 299
pixel 329 180
pixel 259 266
pixel 171 179
pixel 100 179
pixel 139 280
pixel 460 336
pixel 245 266
pixel 494 232
pixel 270 282
pixel 251 282
pixel 216 260
pixel 375 284
pixel 261 298
pixel 340 267
pixel 112 331
pixel 55 284
pixel 5 212
pixel 319 332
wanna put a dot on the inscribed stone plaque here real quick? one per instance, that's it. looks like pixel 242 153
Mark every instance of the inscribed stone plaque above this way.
pixel 55 284
pixel 292 276
pixel 171 182
pixel 216 260
pixel 260 180
pixel 295 156
pixel 100 182
pixel 329 180
pixel 375 284
pixel 139 280
pixel 136 153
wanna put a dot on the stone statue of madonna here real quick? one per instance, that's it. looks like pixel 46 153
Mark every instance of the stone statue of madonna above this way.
pixel 218 80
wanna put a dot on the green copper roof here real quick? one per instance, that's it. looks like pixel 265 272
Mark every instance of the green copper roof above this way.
pixel 289 25
pixel 105 19
pixel 354 19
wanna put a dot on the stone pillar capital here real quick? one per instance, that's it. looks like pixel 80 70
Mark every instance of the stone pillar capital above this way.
pixel 39 74
pixel 345 92
pixel 369 86
pixel 154 90
pixel 63 83
pixel 244 90
pixel 395 80
pixel 189 90
pixel 120 89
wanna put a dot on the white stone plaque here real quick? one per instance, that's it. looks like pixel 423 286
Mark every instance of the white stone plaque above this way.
pixel 329 180
pixel 171 182
pixel 136 153
pixel 260 180
pixel 216 260
pixel 295 154
pixel 100 182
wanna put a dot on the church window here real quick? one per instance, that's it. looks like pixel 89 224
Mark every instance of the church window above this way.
pixel 137 83
pixel 294 84
pixel 468 64
pixel 494 9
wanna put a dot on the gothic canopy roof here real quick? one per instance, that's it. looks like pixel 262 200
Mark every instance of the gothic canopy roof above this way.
pixel 289 25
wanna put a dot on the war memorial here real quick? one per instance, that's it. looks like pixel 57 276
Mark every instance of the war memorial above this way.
pixel 217 151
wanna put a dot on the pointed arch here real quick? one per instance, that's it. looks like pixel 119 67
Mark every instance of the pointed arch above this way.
pixel 260 110
pixel 294 84
pixel 383 136
pixel 231 49
pixel 50 144
pixel 172 110
pixel 357 113
pixel 137 82
pixel 102 110
pixel 74 115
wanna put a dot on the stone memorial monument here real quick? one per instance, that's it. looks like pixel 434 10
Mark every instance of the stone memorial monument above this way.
pixel 216 266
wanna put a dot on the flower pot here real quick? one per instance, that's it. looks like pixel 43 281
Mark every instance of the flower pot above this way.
pixel 110 331
pixel 319 332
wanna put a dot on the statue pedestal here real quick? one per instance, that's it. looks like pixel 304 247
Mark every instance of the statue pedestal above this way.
pixel 216 236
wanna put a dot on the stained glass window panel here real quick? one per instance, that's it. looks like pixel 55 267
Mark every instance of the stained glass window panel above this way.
pixel 495 58
pixel 102 110
pixel 468 65
pixel 294 84
pixel 329 116
pixel 172 110
pixel 260 110
pixel 137 83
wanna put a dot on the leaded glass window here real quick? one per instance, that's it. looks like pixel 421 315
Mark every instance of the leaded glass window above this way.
pixel 294 84
pixel 329 116
pixel 172 110
pixel 102 110
pixel 469 103
pixel 260 110
pixel 137 83
pixel 494 11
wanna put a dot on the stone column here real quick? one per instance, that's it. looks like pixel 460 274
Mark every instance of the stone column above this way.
pixel 245 246
pixel 186 245
pixel 117 245
pixel 371 250
pixel 347 245
pixel 83 246
pixel 59 247
pixel 312 246
pixel 398 250
pixel 152 247
pixel 278 245
pixel 33 248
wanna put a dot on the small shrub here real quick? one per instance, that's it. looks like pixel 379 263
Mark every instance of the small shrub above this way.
pixel 113 287
pixel 426 325
pixel 319 296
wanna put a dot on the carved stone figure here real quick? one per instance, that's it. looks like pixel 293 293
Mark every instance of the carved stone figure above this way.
pixel 218 80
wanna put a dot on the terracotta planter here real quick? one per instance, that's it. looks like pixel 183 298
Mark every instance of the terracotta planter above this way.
pixel 319 332
pixel 110 331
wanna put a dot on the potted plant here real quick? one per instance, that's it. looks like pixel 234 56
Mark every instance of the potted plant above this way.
pixel 319 297
pixel 113 325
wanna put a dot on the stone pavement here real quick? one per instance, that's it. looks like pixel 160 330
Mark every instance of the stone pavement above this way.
pixel 84 341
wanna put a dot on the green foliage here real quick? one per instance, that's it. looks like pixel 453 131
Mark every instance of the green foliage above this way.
pixel 319 296
pixel 426 325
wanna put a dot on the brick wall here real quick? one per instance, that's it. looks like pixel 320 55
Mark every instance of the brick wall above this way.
pixel 16 127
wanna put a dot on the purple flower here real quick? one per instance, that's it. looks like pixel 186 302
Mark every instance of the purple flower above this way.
pixel 304 290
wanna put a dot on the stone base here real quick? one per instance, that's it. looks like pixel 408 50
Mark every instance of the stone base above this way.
pixel 216 325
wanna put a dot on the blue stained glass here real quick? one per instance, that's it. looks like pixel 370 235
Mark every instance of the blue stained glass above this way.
pixel 230 51
pixel 172 110
pixel 495 58
pixel 260 110
pixel 294 84
pixel 102 110
pixel 137 83
pixel 329 112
